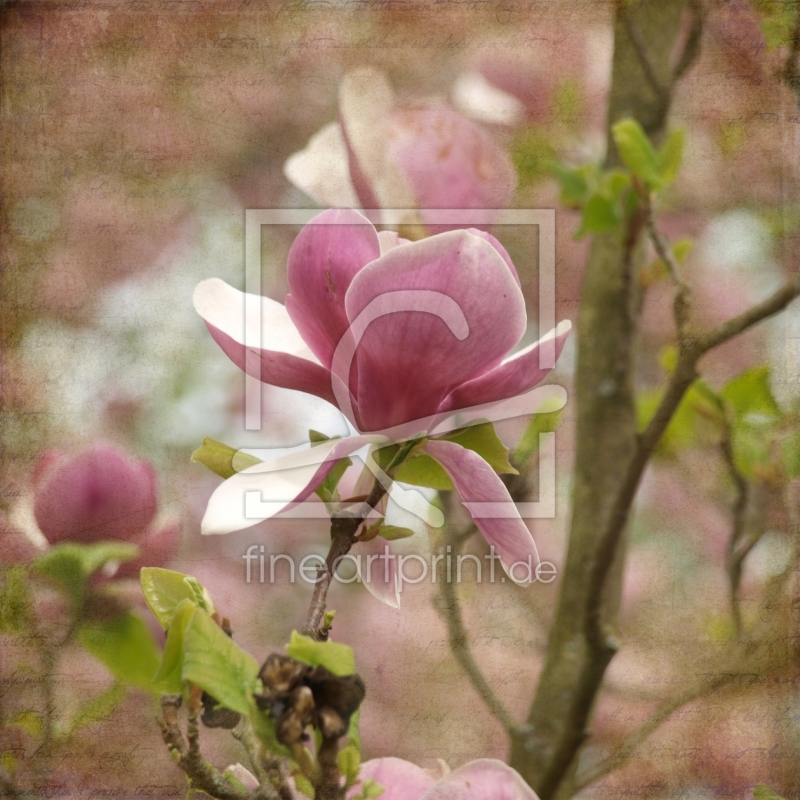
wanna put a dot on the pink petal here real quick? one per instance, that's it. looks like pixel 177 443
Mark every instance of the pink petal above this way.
pixel 484 779
pixel 410 360
pixel 389 240
pixel 378 574
pixel 99 494
pixel 400 779
pixel 284 359
pixel 477 483
pixel 324 258
pixel 448 161
pixel 514 376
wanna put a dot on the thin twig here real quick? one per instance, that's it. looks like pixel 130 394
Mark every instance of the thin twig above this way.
pixel 450 610
pixel 343 536
pixel 692 349
pixel 682 304
pixel 200 773
pixel 734 559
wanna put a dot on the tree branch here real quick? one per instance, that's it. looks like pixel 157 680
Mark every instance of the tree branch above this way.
pixel 200 773
pixel 450 610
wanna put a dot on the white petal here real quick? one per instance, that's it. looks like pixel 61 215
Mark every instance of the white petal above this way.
pixel 224 307
pixel 322 169
pixel 475 97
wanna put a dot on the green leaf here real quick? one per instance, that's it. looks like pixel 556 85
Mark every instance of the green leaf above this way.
pixel 599 216
pixel 483 440
pixel 71 564
pixel 670 157
pixel 529 443
pixel 334 656
pixel 637 152
pixel 421 470
pixel 126 646
pixel 790 453
pixel 750 396
pixel 212 661
pixel 573 182
pixel 99 707
pixel 326 491
pixel 681 249
pixel 370 789
pixel 170 673
pixel 354 730
pixel 15 599
pixel 762 792
pixel 304 785
pixel 164 590
pixel 218 457
pixel 349 761
pixel 315 437
pixel 28 721
pixel 393 532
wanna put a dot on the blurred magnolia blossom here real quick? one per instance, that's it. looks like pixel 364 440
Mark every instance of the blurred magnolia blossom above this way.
pixel 414 373
pixel 385 154
pixel 483 779
pixel 99 495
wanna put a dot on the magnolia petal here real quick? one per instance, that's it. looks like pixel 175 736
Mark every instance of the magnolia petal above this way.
pixel 323 260
pixel 514 376
pixel 448 161
pixel 477 483
pixel 389 240
pixel 409 361
pixel 98 494
pixel 483 779
pixel 376 570
pixel 284 358
pixel 322 170
pixel 400 779
pixel 279 484
pixel 365 106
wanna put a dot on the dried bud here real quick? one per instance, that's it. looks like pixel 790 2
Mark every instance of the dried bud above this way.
pixel 343 695
pixel 289 728
pixel 214 717
pixel 331 724
pixel 280 674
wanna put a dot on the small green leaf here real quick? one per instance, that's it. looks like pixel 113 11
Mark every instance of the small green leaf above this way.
pixel 71 564
pixel 334 656
pixel 99 707
pixel 212 661
pixel 164 590
pixel 681 249
pixel 670 157
pixel 218 457
pixel 762 792
pixel 599 216
pixel 636 152
pixel 750 396
pixel 28 721
pixel 790 453
pixel 126 646
pixel 370 789
pixel 393 532
pixel 349 761
pixel 15 599
pixel 483 440
pixel 303 785
pixel 327 491
pixel 315 437
pixel 573 182
pixel 354 730
pixel 421 470
pixel 169 676
pixel 529 443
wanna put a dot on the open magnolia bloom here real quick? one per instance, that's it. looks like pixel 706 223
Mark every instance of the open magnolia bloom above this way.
pixel 382 154
pixel 410 340
pixel 483 779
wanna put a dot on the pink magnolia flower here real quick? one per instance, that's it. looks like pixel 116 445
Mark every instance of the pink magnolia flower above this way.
pixel 484 779
pixel 102 494
pixel 442 316
pixel 382 154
